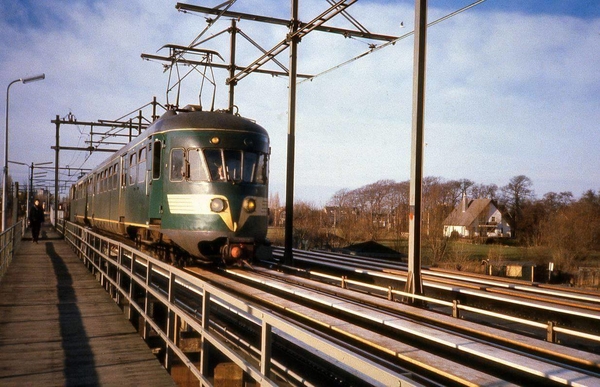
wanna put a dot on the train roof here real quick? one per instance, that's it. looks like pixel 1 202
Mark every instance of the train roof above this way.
pixel 190 117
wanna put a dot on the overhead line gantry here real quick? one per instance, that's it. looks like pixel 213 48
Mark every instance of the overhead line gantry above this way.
pixel 297 30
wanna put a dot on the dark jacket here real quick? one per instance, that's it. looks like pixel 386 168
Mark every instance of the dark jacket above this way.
pixel 36 214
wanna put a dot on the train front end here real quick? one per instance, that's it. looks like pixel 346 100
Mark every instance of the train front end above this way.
pixel 215 186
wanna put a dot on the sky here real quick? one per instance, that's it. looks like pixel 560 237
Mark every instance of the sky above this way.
pixel 512 87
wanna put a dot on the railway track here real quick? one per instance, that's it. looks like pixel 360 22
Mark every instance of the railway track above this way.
pixel 559 314
pixel 431 348
pixel 421 345
pixel 345 262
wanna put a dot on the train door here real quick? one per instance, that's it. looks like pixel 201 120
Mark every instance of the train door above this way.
pixel 89 200
pixel 155 181
pixel 141 185
pixel 114 193
pixel 131 196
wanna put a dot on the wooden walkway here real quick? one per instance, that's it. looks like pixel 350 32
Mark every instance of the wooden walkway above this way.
pixel 58 327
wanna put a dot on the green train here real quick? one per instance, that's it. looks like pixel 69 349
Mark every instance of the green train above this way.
pixel 196 179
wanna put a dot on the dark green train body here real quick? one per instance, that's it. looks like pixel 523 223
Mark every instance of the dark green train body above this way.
pixel 197 179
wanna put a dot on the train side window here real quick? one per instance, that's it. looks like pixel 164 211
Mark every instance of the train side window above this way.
pixel 156 153
pixel 177 164
pixel 132 168
pixel 124 170
pixel 108 178
pixel 115 176
pixel 197 171
pixel 142 166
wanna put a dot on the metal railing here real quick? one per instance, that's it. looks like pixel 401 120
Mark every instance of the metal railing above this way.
pixel 155 293
pixel 9 241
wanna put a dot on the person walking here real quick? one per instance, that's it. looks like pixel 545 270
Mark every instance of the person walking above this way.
pixel 36 218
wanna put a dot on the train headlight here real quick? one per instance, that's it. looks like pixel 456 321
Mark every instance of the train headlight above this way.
pixel 236 252
pixel 249 205
pixel 217 205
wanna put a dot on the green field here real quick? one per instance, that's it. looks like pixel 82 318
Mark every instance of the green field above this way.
pixel 469 255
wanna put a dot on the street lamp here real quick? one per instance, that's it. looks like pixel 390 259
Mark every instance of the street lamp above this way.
pixel 5 171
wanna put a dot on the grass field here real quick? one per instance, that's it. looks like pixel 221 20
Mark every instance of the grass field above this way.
pixel 466 253
pixel 464 250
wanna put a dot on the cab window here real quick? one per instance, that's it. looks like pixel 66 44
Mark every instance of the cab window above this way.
pixel 197 171
pixel 255 167
pixel 233 162
pixel 177 165
pixel 240 166
pixel 214 160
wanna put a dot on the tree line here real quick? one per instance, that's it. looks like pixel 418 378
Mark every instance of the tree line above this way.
pixel 567 227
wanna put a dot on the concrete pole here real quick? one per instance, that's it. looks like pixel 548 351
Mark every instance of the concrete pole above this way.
pixel 232 47
pixel 414 282
pixel 57 150
pixel 291 144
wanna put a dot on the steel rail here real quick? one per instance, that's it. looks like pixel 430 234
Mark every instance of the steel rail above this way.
pixel 397 267
pixel 549 328
pixel 421 363
pixel 115 263
pixel 516 341
pixel 143 271
pixel 531 365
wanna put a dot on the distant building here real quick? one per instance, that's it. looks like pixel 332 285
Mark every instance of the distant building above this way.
pixel 476 218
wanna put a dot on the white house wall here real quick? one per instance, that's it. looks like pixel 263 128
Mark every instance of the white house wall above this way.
pixel 502 229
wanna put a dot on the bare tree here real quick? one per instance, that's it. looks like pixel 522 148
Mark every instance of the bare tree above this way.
pixel 307 225
pixel 537 216
pixel 483 191
pixel 439 199
pixel 465 185
pixel 400 207
pixel 515 194
pixel 276 210
pixel 340 198
pixel 572 230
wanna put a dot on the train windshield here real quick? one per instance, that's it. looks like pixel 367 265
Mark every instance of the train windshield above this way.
pixel 237 166
pixel 196 170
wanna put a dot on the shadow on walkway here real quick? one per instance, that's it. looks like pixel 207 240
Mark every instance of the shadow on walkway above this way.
pixel 79 364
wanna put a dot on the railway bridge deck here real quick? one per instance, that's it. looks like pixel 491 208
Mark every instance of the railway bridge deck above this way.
pixel 58 326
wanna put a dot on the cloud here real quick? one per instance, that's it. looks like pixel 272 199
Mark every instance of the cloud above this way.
pixel 508 93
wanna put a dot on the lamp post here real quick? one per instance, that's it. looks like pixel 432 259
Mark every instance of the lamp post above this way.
pixel 5 171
